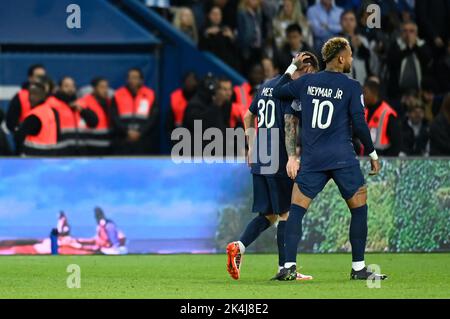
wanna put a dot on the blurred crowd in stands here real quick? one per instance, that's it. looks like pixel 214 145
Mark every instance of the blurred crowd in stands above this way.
pixel 403 66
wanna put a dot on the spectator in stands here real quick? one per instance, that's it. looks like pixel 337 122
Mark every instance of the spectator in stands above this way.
pixel 360 47
pixel 244 92
pixel 250 31
pixel 408 60
pixel 291 13
pixel 415 131
pixel 39 133
pixel 440 131
pixel 134 115
pixel 270 70
pixel 407 100
pixel 433 19
pixel 217 110
pixel 229 10
pixel 432 101
pixel 231 111
pixel 199 108
pixel 19 106
pixel 292 47
pixel 98 139
pixel 74 120
pixel 179 99
pixel 4 145
pixel 383 121
pixel 441 70
pixel 185 22
pixel 379 39
pixel 324 18
pixel 219 39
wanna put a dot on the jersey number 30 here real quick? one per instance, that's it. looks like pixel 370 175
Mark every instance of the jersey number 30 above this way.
pixel 266 113
pixel 317 119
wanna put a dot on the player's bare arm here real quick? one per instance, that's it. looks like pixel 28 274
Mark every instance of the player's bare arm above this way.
pixel 249 124
pixel 290 128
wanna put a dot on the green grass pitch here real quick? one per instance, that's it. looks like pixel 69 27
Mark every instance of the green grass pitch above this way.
pixel 204 276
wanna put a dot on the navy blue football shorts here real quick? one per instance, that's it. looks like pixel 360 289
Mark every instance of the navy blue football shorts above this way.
pixel 348 179
pixel 271 194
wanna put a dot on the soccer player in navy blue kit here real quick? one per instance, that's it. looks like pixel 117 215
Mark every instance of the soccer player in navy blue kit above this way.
pixel 272 187
pixel 332 106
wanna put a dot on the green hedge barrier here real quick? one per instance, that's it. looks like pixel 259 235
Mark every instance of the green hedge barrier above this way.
pixel 409 210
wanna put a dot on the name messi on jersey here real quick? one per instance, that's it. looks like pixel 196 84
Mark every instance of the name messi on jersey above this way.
pixel 267 91
pixel 324 92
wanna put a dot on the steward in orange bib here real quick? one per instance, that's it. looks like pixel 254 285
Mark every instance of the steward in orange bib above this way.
pixel 20 105
pixel 383 121
pixel 244 93
pixel 74 119
pixel 179 100
pixel 98 139
pixel 134 117
pixel 38 135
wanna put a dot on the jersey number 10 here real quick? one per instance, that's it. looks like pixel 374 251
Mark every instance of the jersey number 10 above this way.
pixel 266 113
pixel 318 111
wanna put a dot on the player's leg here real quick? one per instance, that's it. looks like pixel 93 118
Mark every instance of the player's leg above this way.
pixel 280 189
pixel 358 227
pixel 299 205
pixel 352 186
pixel 265 218
pixel 281 232
pixel 307 186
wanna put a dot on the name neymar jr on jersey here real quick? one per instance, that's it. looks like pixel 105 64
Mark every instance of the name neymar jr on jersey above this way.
pixel 312 90
pixel 324 92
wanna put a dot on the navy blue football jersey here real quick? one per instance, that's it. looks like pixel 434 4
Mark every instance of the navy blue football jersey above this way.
pixel 329 101
pixel 270 116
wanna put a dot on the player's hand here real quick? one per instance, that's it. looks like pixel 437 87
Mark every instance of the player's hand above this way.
pixel 75 106
pixel 298 60
pixel 249 157
pixel 375 164
pixel 133 136
pixel 292 166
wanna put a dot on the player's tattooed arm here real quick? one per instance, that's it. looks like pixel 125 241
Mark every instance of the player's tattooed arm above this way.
pixel 290 129
pixel 250 133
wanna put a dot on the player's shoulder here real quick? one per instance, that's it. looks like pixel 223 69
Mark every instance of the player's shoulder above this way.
pixel 271 82
pixel 352 82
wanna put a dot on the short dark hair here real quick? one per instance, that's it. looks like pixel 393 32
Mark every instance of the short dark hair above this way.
pixel 136 70
pixel 313 60
pixel 33 67
pixel 294 27
pixel 373 86
pixel 38 85
pixel 64 78
pixel 46 80
pixel 96 81
pixel 221 80
pixel 348 11
pixel 189 74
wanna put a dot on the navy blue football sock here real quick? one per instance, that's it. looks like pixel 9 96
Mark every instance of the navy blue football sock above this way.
pixel 358 232
pixel 280 242
pixel 293 232
pixel 254 228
